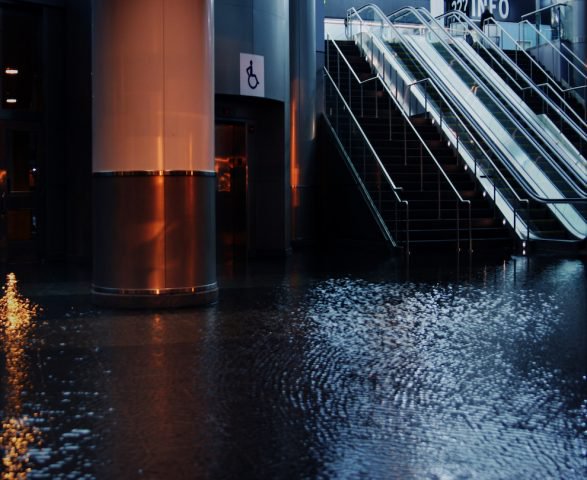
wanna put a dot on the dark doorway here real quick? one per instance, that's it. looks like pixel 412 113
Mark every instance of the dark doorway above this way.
pixel 19 213
pixel 231 193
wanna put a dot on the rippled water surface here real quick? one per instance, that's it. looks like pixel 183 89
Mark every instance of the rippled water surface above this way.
pixel 310 368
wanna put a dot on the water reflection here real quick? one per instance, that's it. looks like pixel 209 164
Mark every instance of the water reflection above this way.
pixel 18 432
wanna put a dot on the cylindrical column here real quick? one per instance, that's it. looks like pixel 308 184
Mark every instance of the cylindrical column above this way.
pixel 303 118
pixel 153 153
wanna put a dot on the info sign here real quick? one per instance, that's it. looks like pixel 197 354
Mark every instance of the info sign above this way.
pixel 502 10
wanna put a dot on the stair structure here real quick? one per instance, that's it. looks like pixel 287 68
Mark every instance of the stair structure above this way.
pixel 431 216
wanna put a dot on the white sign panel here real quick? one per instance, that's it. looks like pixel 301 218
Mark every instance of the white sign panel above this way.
pixel 252 75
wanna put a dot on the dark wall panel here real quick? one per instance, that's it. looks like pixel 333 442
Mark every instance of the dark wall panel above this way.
pixel 338 8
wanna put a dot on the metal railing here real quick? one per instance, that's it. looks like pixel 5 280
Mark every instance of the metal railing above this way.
pixel 576 123
pixel 384 182
pixel 559 58
pixel 423 146
pixel 436 29
pixel 465 144
pixel 384 23
pixel 535 145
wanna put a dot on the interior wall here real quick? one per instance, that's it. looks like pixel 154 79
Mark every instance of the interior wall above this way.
pixel 78 131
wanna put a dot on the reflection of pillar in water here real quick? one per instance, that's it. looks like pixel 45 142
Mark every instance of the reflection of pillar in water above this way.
pixel 17 435
pixel 153 153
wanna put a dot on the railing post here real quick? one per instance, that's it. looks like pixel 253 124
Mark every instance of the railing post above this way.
pixel 421 169
pixel 379 190
pixel 337 101
pixel 395 217
pixel 515 218
pixel 362 114
pixel 376 100
pixel 439 198
pixel 328 53
pixel 470 231
pixel 458 228
pixel 408 227
pixel 528 222
pixel 405 146
pixel 349 87
pixel 364 159
pixel 338 68
pixel 389 110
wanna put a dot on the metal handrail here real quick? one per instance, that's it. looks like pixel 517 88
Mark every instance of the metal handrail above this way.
pixel 522 180
pixel 474 140
pixel 394 188
pixel 422 142
pixel 519 48
pixel 548 158
pixel 534 12
pixel 379 219
pixel 530 122
pixel 531 85
pixel 539 33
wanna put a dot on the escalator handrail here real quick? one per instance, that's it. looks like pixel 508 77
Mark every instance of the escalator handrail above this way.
pixel 519 48
pixel 441 170
pixel 531 85
pixel 543 154
pixel 524 231
pixel 553 46
pixel 432 85
pixel 519 178
pixel 531 126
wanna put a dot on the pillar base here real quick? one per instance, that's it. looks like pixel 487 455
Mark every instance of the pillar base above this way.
pixel 169 298
pixel 154 239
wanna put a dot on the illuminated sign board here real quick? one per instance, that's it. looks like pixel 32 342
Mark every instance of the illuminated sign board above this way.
pixel 502 10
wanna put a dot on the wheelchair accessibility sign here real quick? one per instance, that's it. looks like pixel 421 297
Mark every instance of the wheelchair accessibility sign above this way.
pixel 252 75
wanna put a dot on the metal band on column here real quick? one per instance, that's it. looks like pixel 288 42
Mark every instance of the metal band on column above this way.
pixel 155 232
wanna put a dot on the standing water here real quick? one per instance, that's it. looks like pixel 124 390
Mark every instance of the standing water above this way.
pixel 314 368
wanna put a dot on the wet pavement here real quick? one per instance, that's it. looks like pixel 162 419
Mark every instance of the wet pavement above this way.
pixel 311 367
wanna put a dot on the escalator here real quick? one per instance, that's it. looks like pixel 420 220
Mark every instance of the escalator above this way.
pixel 527 79
pixel 521 147
pixel 538 215
pixel 422 209
pixel 508 161
pixel 541 144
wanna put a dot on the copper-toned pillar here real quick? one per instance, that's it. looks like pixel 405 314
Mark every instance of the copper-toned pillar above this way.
pixel 153 153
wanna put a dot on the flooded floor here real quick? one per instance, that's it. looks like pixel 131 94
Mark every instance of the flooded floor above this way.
pixel 310 367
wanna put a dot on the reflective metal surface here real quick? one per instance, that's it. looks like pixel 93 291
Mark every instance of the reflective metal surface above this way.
pixel 154 240
pixel 327 366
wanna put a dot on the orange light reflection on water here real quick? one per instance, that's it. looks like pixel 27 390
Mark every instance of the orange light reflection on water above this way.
pixel 17 435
